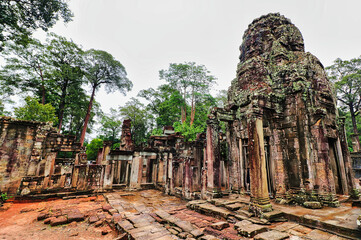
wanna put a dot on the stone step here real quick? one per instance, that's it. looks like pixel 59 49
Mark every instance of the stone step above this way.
pixel 248 229
pixel 212 210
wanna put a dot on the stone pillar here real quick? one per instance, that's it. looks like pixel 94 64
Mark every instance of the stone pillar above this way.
pixel 187 179
pixel 107 145
pixel 213 158
pixel 260 201
pixel 136 172
pixel 234 155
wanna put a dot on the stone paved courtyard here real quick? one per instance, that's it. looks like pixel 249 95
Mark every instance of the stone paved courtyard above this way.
pixel 150 214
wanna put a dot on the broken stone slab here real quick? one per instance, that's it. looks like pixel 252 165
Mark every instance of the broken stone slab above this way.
pixel 185 226
pixel 196 233
pixel 58 221
pixel 272 215
pixel 209 237
pixel 234 206
pixel 193 204
pixel 43 216
pixel 124 225
pixel 271 235
pixel 93 219
pixel 184 235
pixel 213 210
pixel 248 229
pixel 220 225
pixel 312 205
pixel 245 213
pixel 75 216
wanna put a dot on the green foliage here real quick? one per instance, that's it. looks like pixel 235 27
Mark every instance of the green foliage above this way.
pixel 189 132
pixel 157 132
pixel 34 111
pixel 111 125
pixel 346 75
pixel 136 112
pixel 102 69
pixel 93 147
pixel 19 18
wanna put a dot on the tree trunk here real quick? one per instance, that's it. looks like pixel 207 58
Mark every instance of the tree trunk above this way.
pixel 62 104
pixel 184 108
pixel 42 85
pixel 193 110
pixel 87 116
pixel 354 126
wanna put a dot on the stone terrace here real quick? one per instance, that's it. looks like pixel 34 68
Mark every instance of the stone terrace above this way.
pixel 150 214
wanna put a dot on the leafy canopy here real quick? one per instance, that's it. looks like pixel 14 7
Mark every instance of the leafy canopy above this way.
pixel 18 18
pixel 34 111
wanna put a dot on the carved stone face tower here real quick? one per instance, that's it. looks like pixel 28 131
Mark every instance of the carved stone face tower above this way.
pixel 282 120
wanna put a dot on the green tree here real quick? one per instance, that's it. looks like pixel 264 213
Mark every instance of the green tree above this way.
pixel 93 147
pixel 165 103
pixel 136 112
pixel 346 75
pixel 102 69
pixel 111 125
pixel 189 79
pixel 18 18
pixel 35 111
pixel 26 68
pixel 66 59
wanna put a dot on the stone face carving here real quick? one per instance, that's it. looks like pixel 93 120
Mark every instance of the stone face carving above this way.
pixel 285 88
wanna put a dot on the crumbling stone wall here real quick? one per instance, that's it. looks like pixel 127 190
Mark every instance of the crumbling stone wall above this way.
pixel 29 161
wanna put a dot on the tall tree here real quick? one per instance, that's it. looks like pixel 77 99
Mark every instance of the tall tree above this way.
pixel 188 79
pixel 66 59
pixel 18 18
pixel 346 75
pixel 102 69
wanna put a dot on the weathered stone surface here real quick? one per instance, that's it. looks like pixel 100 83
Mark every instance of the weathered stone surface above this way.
pixel 125 225
pixel 75 216
pixel 220 225
pixel 58 221
pixel 248 229
pixel 313 205
pixel 213 210
pixel 43 216
pixel 271 235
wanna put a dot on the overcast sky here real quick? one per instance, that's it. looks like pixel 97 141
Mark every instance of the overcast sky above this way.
pixel 147 35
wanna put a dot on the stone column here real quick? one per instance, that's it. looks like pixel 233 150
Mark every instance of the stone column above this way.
pixel 106 149
pixel 136 172
pixel 260 201
pixel 213 158
pixel 187 179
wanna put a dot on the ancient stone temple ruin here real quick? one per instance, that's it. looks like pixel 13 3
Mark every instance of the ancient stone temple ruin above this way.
pixel 283 139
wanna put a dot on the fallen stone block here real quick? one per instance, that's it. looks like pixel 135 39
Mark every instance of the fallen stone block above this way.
pixel 241 224
pixel 58 221
pixel 93 219
pixel 271 235
pixel 250 230
pixel 213 210
pixel 43 216
pixel 124 225
pixel 220 225
pixel 48 220
pixel 312 205
pixel 196 233
pixel 208 237
pixel 106 207
pixel 234 206
pixel 98 223
pixel 75 216
pixel 113 211
pixel 185 226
